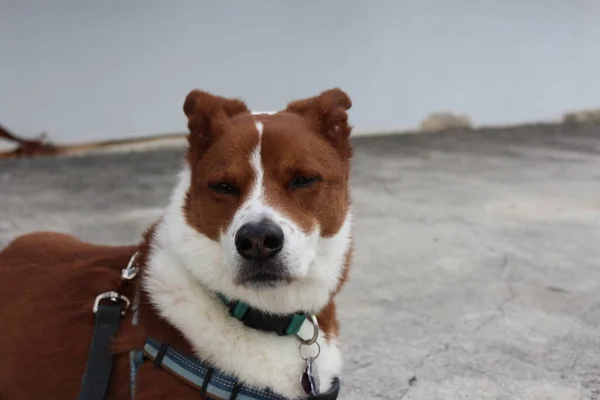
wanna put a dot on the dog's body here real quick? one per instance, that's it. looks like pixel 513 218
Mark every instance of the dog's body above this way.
pixel 261 214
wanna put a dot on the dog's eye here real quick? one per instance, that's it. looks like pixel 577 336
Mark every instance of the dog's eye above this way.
pixel 224 188
pixel 303 181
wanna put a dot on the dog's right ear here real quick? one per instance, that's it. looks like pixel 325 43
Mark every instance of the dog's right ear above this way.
pixel 326 113
pixel 208 114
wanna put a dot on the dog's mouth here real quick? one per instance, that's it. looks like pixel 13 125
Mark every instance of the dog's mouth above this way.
pixel 262 275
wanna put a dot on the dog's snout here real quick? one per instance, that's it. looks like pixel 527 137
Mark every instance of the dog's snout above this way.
pixel 259 240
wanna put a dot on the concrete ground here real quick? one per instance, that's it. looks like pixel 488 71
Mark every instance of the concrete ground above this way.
pixel 477 267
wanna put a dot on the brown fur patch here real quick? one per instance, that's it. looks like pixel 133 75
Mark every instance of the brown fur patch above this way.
pixel 50 282
pixel 290 149
pixel 226 160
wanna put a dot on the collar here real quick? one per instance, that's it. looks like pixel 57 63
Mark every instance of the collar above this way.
pixel 282 325
pixel 211 381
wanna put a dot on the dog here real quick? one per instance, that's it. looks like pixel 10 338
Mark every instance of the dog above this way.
pixel 259 224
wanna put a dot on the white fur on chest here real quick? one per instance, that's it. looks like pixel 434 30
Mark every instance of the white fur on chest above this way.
pixel 256 358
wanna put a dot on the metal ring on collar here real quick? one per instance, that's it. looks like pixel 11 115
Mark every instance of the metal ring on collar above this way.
pixel 315 335
pixel 313 357
pixel 114 297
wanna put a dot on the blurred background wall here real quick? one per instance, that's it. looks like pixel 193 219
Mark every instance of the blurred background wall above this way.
pixel 84 70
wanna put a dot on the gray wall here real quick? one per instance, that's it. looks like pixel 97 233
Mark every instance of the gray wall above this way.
pixel 86 70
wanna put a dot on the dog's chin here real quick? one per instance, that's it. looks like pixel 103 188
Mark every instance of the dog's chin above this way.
pixel 262 276
pixel 261 281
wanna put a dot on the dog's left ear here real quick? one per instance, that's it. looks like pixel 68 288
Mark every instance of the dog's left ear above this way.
pixel 326 113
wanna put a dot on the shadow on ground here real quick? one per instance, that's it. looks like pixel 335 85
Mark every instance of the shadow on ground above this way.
pixel 477 266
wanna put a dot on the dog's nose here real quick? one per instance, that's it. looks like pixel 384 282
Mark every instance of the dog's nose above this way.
pixel 259 240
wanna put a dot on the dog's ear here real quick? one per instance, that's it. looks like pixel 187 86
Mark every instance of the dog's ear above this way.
pixel 207 114
pixel 326 113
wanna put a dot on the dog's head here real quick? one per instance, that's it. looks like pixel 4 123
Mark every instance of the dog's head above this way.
pixel 265 199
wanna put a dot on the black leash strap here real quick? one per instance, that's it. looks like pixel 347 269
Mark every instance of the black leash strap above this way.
pixel 100 358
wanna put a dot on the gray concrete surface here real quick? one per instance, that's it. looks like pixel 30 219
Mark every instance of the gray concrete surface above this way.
pixel 477 268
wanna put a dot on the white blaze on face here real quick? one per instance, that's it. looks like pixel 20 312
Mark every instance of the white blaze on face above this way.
pixel 299 249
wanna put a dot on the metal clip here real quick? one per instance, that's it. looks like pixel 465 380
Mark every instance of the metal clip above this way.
pixel 315 335
pixel 131 270
pixel 114 297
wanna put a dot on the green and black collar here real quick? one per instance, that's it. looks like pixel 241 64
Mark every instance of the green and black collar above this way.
pixel 282 325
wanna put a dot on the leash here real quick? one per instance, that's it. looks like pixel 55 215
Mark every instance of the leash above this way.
pixel 100 358
pixel 109 308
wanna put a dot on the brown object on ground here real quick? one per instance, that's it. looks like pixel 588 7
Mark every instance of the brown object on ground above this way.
pixel 38 147
pixel 25 147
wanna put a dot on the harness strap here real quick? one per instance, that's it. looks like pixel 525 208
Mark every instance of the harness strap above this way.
pixel 207 379
pixel 94 383
pixel 213 382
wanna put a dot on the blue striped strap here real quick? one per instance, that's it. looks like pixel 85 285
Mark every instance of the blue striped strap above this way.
pixel 207 379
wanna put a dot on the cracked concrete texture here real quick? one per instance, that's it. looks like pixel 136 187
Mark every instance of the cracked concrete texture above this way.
pixel 477 264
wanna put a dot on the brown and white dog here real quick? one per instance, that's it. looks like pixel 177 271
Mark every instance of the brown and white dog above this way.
pixel 261 213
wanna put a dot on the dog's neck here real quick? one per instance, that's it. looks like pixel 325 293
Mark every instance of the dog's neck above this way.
pixel 191 305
